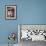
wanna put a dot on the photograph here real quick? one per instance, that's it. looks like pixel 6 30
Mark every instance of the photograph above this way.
pixel 31 33
pixel 10 12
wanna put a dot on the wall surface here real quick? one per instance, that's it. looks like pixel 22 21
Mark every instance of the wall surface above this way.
pixel 28 12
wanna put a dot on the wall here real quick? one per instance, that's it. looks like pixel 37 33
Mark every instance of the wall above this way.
pixel 28 12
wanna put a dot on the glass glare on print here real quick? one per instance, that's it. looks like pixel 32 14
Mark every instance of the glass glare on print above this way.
pixel 10 12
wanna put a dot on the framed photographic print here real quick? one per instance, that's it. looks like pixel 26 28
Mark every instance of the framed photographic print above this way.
pixel 10 12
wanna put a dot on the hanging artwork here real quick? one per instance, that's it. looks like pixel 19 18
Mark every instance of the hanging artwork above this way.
pixel 10 12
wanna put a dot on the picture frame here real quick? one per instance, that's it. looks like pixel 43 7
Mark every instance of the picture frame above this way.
pixel 37 29
pixel 10 12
